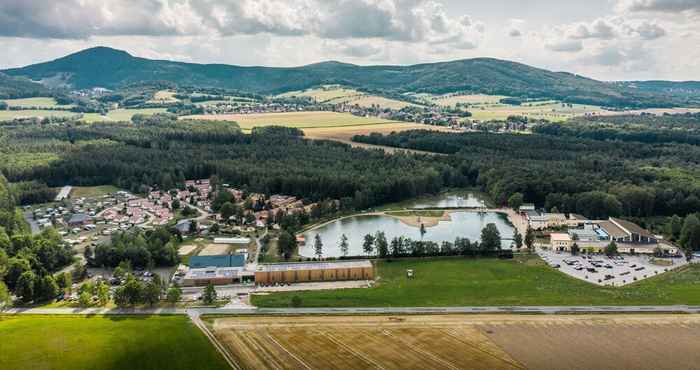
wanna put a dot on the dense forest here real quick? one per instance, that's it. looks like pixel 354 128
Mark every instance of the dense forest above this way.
pixel 164 151
pixel 593 177
pixel 650 129
pixel 27 262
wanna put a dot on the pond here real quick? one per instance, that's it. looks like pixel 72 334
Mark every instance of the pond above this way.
pixel 451 200
pixel 462 224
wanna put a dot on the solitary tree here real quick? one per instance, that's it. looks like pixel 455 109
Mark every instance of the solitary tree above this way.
pixel 84 299
pixel 102 292
pixel 174 294
pixel 518 239
pixel 611 249
pixel 382 244
pixel 575 249
pixel 490 237
pixel 368 244
pixel 344 246
pixel 318 246
pixel 209 296
pixel 286 244
pixel 530 239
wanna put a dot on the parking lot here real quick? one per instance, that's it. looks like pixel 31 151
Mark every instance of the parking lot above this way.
pixel 603 270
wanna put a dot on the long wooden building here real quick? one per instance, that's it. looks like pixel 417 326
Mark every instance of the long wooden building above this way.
pixel 314 271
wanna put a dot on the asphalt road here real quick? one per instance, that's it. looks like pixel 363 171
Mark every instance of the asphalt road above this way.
pixel 356 311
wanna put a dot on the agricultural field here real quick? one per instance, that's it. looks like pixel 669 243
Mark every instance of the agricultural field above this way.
pixel 461 341
pixel 358 342
pixel 105 343
pixel 474 99
pixel 6 115
pixel 120 114
pixel 40 102
pixel 523 281
pixel 164 96
pixel 301 120
pixel 340 95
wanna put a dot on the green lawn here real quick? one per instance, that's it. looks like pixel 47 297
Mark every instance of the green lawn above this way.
pixel 492 282
pixel 93 191
pixel 40 102
pixel 104 343
pixel 30 113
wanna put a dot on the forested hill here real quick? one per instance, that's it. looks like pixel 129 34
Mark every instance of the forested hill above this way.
pixel 110 68
pixel 19 87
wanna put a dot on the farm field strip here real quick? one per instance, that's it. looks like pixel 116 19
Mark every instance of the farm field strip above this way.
pixel 358 343
pixel 462 341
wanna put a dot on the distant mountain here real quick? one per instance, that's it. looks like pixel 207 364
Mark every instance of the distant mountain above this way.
pixel 110 68
pixel 19 87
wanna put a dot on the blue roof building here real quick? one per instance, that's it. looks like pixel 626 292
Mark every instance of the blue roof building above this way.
pixel 230 260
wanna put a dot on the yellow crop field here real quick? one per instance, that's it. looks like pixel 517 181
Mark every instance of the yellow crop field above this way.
pixel 295 119
pixel 164 96
pixel 461 341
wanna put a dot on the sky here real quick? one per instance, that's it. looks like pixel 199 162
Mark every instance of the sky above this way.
pixel 601 39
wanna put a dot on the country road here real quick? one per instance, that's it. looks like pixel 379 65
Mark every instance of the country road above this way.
pixel 359 310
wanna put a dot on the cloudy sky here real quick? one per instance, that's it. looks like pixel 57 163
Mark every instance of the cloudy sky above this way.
pixel 603 39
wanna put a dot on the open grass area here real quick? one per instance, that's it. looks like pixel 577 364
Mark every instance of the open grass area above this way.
pixel 296 119
pixel 524 281
pixel 104 343
pixel 120 114
pixel 6 115
pixel 40 102
pixel 333 94
pixel 92 191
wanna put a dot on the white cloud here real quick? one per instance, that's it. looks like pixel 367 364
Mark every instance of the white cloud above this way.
pixel 666 6
pixel 568 46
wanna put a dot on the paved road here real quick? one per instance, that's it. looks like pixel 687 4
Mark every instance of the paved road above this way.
pixel 355 311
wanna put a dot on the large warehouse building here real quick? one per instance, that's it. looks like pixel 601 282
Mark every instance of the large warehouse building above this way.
pixel 314 271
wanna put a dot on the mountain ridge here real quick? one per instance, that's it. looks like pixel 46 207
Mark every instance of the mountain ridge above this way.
pixel 113 68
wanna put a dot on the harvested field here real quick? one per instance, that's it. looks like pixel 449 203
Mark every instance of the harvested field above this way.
pixel 463 341
pixel 303 120
pixel 352 342
pixel 215 250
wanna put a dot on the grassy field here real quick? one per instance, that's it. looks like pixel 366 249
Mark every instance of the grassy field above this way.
pixel 339 95
pixel 104 343
pixel 490 282
pixel 92 191
pixel 29 113
pixel 120 114
pixel 40 102
pixel 296 119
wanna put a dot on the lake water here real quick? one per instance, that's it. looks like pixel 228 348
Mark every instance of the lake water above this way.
pixel 462 225
pixel 460 200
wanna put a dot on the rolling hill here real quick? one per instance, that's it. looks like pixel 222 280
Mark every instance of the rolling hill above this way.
pixel 19 87
pixel 110 68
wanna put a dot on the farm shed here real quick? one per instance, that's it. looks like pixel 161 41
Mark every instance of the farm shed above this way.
pixel 314 271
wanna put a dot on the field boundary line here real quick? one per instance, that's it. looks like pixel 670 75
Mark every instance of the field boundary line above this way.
pixel 421 351
pixel 214 341
pixel 269 336
pixel 515 364
pixel 352 350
